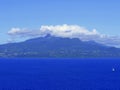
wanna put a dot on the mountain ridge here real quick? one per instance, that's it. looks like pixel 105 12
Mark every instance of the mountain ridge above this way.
pixel 57 47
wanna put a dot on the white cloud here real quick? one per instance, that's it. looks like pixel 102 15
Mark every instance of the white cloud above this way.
pixel 23 32
pixel 66 31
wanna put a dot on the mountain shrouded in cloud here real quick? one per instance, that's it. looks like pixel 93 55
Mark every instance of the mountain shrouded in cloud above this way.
pixel 66 31
pixel 57 47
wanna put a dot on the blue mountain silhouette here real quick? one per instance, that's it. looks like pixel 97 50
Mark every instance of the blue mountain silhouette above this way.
pixel 56 47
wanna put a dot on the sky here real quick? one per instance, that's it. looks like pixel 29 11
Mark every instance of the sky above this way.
pixel 101 16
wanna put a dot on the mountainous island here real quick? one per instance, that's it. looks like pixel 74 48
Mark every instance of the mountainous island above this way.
pixel 57 47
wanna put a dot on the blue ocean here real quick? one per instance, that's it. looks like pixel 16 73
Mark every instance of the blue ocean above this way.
pixel 59 74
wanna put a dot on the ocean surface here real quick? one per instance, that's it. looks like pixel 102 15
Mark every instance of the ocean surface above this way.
pixel 59 74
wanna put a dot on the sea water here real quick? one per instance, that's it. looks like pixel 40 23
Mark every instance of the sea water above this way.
pixel 59 74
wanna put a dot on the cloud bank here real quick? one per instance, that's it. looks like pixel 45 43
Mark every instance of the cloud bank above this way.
pixel 66 31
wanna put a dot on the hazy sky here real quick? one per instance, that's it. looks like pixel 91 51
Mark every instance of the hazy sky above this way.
pixel 102 15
